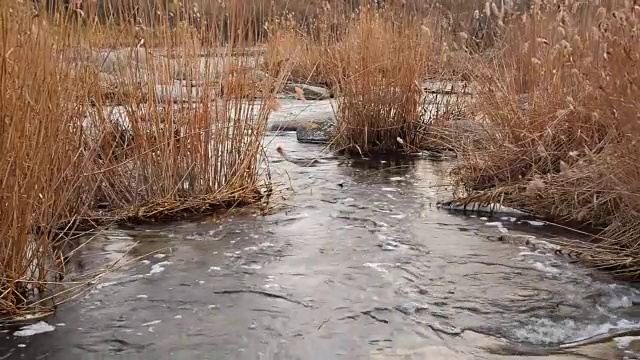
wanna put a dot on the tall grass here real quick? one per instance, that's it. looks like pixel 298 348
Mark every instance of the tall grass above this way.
pixel 378 69
pixel 374 60
pixel 561 108
pixel 69 156
pixel 40 157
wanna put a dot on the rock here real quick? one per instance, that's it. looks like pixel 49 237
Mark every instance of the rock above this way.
pixel 284 125
pixel 129 63
pixel 310 92
pixel 316 131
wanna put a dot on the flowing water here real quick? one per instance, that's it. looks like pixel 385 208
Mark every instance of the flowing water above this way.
pixel 356 264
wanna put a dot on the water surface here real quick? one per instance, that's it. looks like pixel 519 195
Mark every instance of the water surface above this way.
pixel 356 264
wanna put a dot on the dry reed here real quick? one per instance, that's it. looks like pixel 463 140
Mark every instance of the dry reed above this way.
pixel 559 135
pixel 41 161
pixel 378 69
pixel 185 139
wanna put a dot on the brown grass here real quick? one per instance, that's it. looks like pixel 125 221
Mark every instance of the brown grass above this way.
pixel 378 68
pixel 40 161
pixel 570 154
pixel 67 159
pixel 374 61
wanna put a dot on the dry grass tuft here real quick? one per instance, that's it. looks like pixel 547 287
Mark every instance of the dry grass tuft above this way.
pixel 560 109
pixel 185 138
pixel 40 156
pixel 378 70
pixel 374 61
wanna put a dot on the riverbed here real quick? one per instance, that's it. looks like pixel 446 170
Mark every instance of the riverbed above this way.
pixel 355 262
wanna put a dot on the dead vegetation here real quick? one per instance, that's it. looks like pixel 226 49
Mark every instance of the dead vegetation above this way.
pixel 551 126
pixel 69 157
pixel 374 61
pixel 560 105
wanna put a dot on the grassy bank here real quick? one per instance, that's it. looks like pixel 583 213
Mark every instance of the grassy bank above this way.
pixel 561 108
pixel 70 158
pixel 551 127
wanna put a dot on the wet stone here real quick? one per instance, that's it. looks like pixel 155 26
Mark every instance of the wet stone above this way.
pixel 316 131
pixel 309 92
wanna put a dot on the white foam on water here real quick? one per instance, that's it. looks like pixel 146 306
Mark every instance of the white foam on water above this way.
pixel 251 248
pixel 150 323
pixel 214 268
pixel 201 282
pixel 545 331
pixel 159 267
pixel 33 329
pixel 159 256
pixel 390 196
pixel 378 267
pixel 105 284
pixel 141 296
pixel 178 317
pixel 388 189
pixel 532 253
pixel 496 223
pixel 251 267
pixel 145 262
pixel 483 218
pixel 545 268
pixel 22 345
pixel 620 302
pixel 534 223
pixel 396 178
pixel 398 216
pixel 267 244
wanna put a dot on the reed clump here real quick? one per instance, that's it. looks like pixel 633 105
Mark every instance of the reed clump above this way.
pixel 40 157
pixel 378 69
pixel 559 111
pixel 374 61
pixel 174 145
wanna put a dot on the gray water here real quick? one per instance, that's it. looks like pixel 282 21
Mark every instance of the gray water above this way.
pixel 356 263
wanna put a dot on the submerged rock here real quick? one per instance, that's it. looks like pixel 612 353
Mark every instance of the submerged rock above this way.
pixel 316 131
pixel 310 92
pixel 492 208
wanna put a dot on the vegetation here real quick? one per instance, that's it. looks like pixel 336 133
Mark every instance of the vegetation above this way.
pixel 551 126
pixel 70 158
pixel 560 105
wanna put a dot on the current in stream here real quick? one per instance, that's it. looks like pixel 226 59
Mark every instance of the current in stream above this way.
pixel 357 264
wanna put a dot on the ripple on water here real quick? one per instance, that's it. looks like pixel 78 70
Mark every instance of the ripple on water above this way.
pixel 342 272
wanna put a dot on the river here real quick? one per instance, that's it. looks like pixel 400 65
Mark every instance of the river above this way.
pixel 355 263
